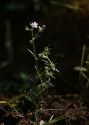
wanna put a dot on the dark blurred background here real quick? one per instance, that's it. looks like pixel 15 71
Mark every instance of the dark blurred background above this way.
pixel 67 30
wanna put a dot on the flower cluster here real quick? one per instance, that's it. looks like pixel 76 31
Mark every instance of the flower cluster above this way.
pixel 34 25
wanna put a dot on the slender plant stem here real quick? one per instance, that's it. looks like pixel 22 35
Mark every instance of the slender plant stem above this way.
pixel 34 53
pixel 82 60
pixel 81 73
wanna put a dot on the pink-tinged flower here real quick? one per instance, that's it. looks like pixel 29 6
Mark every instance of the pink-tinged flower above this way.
pixel 34 25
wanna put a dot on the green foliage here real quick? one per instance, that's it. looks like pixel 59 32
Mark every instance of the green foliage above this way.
pixel 44 67
pixel 44 73
pixel 84 75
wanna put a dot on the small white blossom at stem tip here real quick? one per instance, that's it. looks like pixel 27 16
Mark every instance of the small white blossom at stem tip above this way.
pixel 41 28
pixel 27 29
pixel 34 25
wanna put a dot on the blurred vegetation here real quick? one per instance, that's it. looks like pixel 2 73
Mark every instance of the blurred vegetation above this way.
pixel 34 90
pixel 67 30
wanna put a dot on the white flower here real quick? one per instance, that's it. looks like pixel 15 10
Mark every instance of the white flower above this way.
pixel 34 25
pixel 42 122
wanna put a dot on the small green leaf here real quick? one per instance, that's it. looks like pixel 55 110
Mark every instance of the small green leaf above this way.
pixel 3 102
